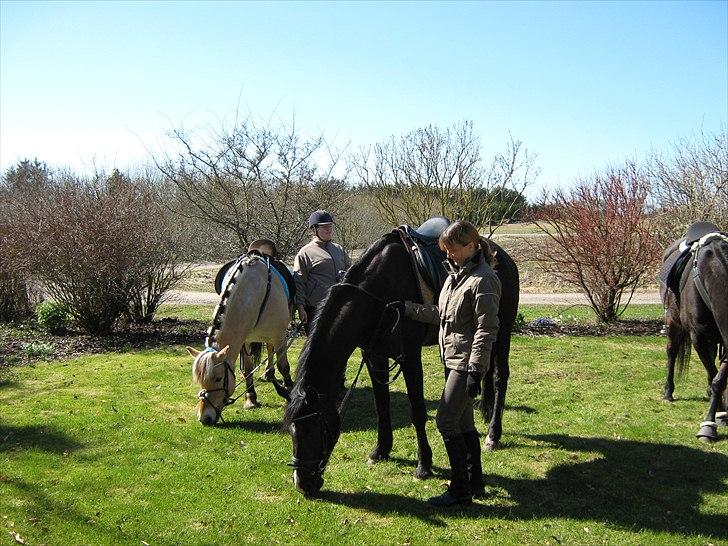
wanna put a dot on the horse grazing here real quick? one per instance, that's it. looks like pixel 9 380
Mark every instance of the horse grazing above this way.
pixel 253 309
pixel 355 314
pixel 694 276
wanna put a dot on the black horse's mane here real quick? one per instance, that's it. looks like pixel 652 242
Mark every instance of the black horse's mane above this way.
pixel 353 275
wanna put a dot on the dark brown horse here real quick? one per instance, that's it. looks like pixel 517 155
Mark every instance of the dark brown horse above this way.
pixel 696 311
pixel 355 314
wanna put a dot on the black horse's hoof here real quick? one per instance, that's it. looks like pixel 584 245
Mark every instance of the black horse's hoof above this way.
pixel 707 432
pixel 374 458
pixel 668 398
pixel 423 472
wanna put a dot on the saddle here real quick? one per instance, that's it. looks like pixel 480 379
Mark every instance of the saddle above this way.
pixel 277 265
pixel 427 258
pixel 673 268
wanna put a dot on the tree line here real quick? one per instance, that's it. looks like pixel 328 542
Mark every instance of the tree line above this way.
pixel 109 246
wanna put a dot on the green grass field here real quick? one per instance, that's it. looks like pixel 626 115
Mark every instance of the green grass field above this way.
pixel 105 449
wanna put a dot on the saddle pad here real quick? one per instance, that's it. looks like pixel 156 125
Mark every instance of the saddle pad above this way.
pixel 278 267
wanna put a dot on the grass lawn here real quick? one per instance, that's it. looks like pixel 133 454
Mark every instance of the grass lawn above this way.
pixel 105 449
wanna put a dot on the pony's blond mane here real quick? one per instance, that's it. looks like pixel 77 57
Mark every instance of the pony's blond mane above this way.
pixel 218 316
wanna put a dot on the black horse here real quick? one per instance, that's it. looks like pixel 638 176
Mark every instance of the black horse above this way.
pixel 694 279
pixel 355 314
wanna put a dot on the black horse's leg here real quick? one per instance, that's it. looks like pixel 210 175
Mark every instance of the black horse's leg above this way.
pixel 379 373
pixel 708 428
pixel 413 378
pixel 672 349
pixel 707 352
pixel 501 373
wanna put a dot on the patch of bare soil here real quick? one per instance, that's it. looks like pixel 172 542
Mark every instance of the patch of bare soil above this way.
pixel 620 328
pixel 25 343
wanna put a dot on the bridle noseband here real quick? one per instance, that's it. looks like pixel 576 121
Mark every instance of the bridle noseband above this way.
pixel 316 467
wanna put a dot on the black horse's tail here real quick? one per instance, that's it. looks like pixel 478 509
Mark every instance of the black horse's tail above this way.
pixel 487 399
pixel 255 351
pixel 683 347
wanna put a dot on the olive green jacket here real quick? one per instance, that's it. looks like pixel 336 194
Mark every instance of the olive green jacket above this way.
pixel 467 313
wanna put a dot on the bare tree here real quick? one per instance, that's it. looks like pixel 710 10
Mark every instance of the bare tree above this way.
pixel 599 238
pixel 20 188
pixel 255 181
pixel 690 183
pixel 433 171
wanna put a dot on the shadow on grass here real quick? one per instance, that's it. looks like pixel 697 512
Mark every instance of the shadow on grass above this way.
pixel 399 505
pixel 632 485
pixel 7 383
pixel 261 427
pixel 360 413
pixel 35 437
pixel 524 409
pixel 38 502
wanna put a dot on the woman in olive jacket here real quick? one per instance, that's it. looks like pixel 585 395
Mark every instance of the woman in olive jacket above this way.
pixel 467 313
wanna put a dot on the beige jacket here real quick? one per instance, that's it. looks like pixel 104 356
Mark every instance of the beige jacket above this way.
pixel 316 268
pixel 467 313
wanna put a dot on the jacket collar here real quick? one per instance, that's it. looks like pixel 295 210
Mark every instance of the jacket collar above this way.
pixel 471 264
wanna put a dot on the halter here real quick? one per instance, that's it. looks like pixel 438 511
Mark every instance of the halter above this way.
pixel 316 467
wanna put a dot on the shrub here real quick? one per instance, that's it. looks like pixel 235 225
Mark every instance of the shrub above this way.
pixel 52 316
pixel 39 349
pixel 599 238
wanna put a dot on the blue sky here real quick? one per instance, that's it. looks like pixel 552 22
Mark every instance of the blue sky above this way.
pixel 583 85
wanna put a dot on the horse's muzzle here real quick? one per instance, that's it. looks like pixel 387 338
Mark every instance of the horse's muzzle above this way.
pixel 308 484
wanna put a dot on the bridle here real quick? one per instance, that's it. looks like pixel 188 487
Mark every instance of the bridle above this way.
pixel 316 467
pixel 204 393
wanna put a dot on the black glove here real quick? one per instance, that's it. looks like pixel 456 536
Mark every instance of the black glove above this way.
pixel 473 384
pixel 397 306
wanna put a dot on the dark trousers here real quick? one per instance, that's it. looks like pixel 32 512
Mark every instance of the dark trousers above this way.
pixel 455 412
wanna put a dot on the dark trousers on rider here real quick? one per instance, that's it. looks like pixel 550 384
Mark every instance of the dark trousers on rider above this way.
pixel 456 423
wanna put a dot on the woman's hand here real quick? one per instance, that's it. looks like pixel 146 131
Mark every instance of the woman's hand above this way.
pixel 473 384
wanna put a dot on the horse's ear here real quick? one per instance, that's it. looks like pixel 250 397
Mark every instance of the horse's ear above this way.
pixel 193 352
pixel 222 353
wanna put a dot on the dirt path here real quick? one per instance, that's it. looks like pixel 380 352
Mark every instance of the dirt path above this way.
pixel 565 298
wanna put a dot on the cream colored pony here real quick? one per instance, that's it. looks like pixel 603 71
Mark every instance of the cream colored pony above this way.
pixel 253 308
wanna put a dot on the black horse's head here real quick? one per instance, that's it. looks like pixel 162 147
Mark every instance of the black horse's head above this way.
pixel 313 422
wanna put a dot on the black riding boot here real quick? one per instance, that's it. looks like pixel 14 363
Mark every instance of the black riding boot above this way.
pixel 458 493
pixel 475 470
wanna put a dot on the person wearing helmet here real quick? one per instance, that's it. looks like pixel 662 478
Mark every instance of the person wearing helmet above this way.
pixel 318 265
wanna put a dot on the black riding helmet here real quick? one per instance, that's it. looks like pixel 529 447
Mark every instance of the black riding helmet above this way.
pixel 320 217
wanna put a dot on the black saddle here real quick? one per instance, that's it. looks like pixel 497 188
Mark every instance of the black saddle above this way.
pixel 674 267
pixel 277 264
pixel 422 244
pixel 698 230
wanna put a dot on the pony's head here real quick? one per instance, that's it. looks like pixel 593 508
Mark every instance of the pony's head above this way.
pixel 314 425
pixel 215 376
